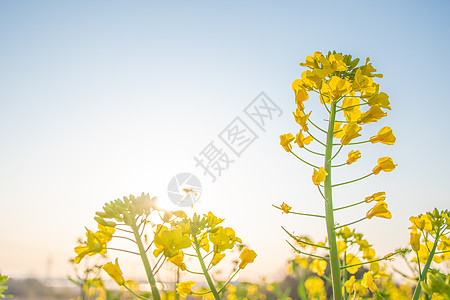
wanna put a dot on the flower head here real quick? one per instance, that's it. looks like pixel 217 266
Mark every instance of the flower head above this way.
pixel 379 210
pixel 114 271
pixel 301 141
pixel 353 156
pixel 384 164
pixel 247 256
pixel 380 196
pixel 351 131
pixel 319 176
pixel 372 115
pixel 185 288
pixel 384 136
pixel 286 208
pixel 285 141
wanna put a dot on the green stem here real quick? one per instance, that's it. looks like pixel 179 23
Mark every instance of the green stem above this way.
pixel 313 152
pixel 341 165
pixel 131 291
pixel 317 140
pixel 304 160
pixel 317 126
pixel 303 242
pixel 357 143
pixel 309 254
pixel 220 291
pixel 143 254
pixel 369 262
pixel 205 271
pixel 301 214
pixel 351 181
pixel 351 223
pixel 347 206
pixel 426 267
pixel 334 257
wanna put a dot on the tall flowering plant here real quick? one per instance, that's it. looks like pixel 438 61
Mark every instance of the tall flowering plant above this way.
pixel 351 99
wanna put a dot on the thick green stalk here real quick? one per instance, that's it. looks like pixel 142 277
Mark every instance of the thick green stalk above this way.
pixel 143 254
pixel 334 257
pixel 205 270
pixel 425 268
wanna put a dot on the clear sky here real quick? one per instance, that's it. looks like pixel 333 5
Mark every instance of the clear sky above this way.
pixel 101 99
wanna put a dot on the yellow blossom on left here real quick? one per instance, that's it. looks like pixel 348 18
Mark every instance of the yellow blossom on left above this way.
pixel 319 176
pixel 285 141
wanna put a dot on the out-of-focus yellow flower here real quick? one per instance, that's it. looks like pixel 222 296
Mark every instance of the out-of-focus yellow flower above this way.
pixel 217 258
pixel 285 141
pixel 372 115
pixel 353 156
pixel 315 287
pixel 384 136
pixel 350 284
pixel 368 253
pixel 414 241
pixel 367 282
pixel 341 247
pixel 247 256
pixel 379 196
pixel 185 288
pixel 379 210
pixel 114 272
pixel 351 131
pixel 96 242
pixel 351 259
pixel 384 164
pixel 178 260
pixel 301 118
pixel 286 208
pixel 319 176
pixel 381 100
pixel 301 141
pixel 223 239
pixel 318 266
pixel 212 221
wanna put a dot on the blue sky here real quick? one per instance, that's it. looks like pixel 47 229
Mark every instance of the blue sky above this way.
pixel 109 98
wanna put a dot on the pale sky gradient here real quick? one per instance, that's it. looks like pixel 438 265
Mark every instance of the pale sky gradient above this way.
pixel 101 99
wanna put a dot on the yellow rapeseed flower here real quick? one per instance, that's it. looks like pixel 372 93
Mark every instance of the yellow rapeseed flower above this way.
pixel 384 136
pixel 338 131
pixel 353 156
pixel 223 238
pixel 351 131
pixel 247 256
pixel 351 114
pixel 367 282
pixel 338 86
pixel 384 164
pixel 301 118
pixel 350 284
pixel 379 210
pixel 285 141
pixel 381 100
pixel 379 196
pixel 217 258
pixel 319 176
pixel 114 272
pixel 286 208
pixel 301 141
pixel 351 259
pixel 318 266
pixel 372 115
pixel 185 288
pixel 414 241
